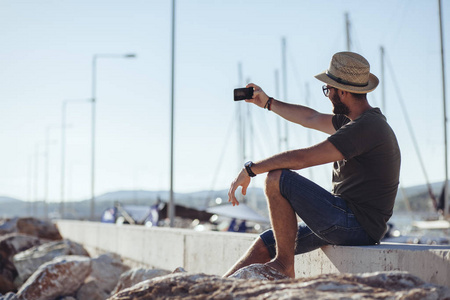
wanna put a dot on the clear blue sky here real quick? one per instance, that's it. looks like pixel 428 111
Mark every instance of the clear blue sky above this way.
pixel 45 58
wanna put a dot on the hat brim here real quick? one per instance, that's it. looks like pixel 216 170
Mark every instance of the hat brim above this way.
pixel 373 83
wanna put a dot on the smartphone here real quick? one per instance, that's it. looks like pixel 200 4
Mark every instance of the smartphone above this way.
pixel 243 93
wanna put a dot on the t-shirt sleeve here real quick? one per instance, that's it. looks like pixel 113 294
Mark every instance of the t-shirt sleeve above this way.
pixel 352 138
pixel 339 121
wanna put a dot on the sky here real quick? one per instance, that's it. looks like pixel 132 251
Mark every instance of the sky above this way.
pixel 46 55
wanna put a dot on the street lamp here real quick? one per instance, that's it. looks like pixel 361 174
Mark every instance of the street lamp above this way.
pixel 47 162
pixel 63 151
pixel 36 176
pixel 171 208
pixel 94 100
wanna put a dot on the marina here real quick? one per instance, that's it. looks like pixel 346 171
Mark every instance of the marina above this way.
pixel 126 123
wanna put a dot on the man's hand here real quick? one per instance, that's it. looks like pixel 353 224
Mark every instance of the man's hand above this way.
pixel 241 180
pixel 259 97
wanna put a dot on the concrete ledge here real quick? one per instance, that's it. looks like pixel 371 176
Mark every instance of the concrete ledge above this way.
pixel 431 263
pixel 216 252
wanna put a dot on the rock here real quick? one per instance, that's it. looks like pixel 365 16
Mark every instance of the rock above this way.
pixel 44 229
pixel 135 276
pixel 60 277
pixel 10 245
pixel 6 282
pixel 258 271
pixel 27 262
pixel 105 273
pixel 383 285
pixel 13 243
pixel 9 296
pixel 90 290
pixel 179 270
pixel 8 226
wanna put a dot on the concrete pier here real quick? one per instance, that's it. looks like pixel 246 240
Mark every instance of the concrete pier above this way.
pixel 216 252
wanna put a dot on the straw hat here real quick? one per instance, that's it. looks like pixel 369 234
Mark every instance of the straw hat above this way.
pixel 349 72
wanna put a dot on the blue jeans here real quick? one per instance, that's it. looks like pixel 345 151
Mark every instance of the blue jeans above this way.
pixel 327 220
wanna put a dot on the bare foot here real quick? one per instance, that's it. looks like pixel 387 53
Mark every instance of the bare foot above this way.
pixel 280 267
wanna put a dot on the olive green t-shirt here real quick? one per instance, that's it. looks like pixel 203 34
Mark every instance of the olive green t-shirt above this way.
pixel 367 179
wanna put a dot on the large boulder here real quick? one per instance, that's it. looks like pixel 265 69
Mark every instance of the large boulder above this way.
pixel 136 275
pixel 105 273
pixel 383 285
pixel 28 261
pixel 44 229
pixel 258 271
pixel 62 276
pixel 10 245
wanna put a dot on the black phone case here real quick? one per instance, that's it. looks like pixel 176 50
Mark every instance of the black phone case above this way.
pixel 243 93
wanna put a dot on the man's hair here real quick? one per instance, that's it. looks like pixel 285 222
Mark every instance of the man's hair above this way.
pixel 359 96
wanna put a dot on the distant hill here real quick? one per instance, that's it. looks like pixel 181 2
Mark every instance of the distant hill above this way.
pixel 418 189
pixel 418 198
pixel 4 199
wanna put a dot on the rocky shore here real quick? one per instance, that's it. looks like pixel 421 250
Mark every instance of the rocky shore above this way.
pixel 37 263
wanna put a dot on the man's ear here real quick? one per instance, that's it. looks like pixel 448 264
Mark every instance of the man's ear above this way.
pixel 344 94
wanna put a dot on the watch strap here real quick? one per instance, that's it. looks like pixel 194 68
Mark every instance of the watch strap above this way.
pixel 248 168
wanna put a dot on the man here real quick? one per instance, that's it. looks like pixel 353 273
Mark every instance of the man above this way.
pixel 366 169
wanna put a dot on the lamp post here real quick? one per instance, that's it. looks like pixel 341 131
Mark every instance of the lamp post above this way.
pixel 171 208
pixel 63 151
pixel 36 177
pixel 29 184
pixel 47 162
pixel 94 101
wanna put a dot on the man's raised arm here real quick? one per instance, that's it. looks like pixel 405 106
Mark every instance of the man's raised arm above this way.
pixel 295 113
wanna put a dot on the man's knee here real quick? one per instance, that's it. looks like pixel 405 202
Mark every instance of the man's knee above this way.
pixel 273 181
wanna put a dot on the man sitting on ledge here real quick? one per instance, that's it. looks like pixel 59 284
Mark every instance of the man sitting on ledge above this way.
pixel 366 170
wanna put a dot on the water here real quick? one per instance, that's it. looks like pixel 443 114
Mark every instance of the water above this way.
pixel 403 230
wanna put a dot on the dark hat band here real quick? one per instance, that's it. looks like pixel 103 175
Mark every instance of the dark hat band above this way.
pixel 342 81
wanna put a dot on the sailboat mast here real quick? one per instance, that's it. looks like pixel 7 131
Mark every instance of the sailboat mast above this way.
pixel 446 204
pixel 277 95
pixel 284 69
pixel 241 127
pixel 383 87
pixel 309 136
pixel 347 30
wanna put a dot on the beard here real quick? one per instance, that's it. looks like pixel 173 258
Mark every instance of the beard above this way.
pixel 339 108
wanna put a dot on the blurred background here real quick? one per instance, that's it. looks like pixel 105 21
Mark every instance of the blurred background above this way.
pixel 56 56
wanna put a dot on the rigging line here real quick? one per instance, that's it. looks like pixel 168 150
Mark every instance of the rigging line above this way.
pixel 251 134
pixel 413 137
pixel 263 114
pixel 222 154
pixel 296 75
pixel 355 40
pixel 257 139
pixel 266 133
pixel 307 92
pixel 400 7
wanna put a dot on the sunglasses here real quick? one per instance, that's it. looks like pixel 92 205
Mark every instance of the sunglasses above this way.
pixel 326 90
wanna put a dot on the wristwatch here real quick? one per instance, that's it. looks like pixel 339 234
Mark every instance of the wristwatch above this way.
pixel 248 166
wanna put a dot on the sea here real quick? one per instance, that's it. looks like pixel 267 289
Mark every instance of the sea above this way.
pixel 404 230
